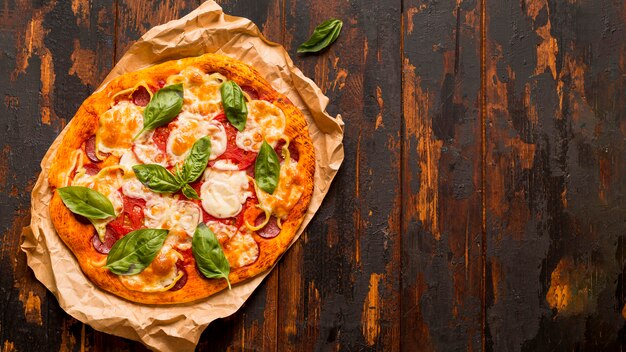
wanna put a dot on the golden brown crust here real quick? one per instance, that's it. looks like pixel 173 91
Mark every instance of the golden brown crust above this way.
pixel 77 236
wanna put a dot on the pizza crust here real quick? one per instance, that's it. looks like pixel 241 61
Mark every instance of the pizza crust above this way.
pixel 77 235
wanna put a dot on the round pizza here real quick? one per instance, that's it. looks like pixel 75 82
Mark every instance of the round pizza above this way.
pixel 178 180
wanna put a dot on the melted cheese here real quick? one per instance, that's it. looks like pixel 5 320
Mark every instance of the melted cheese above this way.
pixel 241 250
pixel 107 182
pixel 159 276
pixel 224 192
pixel 147 151
pixel 134 189
pixel 187 130
pixel 166 212
pixel 265 121
pixel 118 126
pixel 127 161
pixel 222 231
pixel 287 193
pixel 202 91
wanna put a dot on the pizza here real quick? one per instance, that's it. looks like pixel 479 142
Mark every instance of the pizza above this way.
pixel 176 181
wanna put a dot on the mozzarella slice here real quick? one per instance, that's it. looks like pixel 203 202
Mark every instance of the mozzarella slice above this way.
pixel 118 126
pixel 224 192
pixel 288 192
pixel 165 212
pixel 202 91
pixel 187 130
pixel 128 160
pixel 134 189
pixel 241 250
pixel 159 276
pixel 147 151
pixel 222 231
pixel 265 121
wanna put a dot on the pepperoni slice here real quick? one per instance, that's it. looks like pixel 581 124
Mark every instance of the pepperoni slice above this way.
pixel 140 96
pixel 91 169
pixel 90 149
pixel 110 238
pixel 270 230
pixel 180 266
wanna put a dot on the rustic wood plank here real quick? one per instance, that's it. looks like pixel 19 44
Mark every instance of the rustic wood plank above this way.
pixel 54 55
pixel 339 284
pixel 556 180
pixel 441 227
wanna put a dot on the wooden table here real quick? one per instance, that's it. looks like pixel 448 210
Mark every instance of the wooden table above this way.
pixel 481 204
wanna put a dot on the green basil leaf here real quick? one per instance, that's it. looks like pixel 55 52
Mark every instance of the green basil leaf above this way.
pixel 164 106
pixel 267 168
pixel 134 252
pixel 86 202
pixel 157 178
pixel 323 35
pixel 234 104
pixel 209 255
pixel 195 163
pixel 189 192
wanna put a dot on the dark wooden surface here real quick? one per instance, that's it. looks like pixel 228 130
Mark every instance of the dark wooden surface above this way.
pixel 481 204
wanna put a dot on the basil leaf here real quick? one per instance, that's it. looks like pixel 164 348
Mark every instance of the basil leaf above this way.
pixel 164 106
pixel 189 192
pixel 134 252
pixel 267 168
pixel 195 163
pixel 234 104
pixel 86 202
pixel 157 178
pixel 323 35
pixel 209 255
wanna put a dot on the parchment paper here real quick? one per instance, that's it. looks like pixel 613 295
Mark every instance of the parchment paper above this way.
pixel 178 327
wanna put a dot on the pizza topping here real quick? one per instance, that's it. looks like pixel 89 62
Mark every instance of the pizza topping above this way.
pixel 287 193
pixel 130 219
pixel 141 96
pixel 270 230
pixel 234 104
pixel 135 251
pixel 90 149
pixel 147 151
pixel 224 232
pixel 130 91
pixel 209 255
pixel 223 192
pixel 169 213
pixel 163 108
pixel 265 121
pixel 104 247
pixel 241 250
pixel 202 91
pixel 161 275
pixel 267 169
pixel 242 158
pixel 135 189
pixel 86 202
pixel 187 130
pixel 117 127
pixel 183 280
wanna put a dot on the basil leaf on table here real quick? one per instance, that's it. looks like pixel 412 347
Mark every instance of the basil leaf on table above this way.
pixel 157 178
pixel 234 104
pixel 209 255
pixel 86 202
pixel 164 106
pixel 134 252
pixel 189 192
pixel 323 35
pixel 196 162
pixel 267 168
